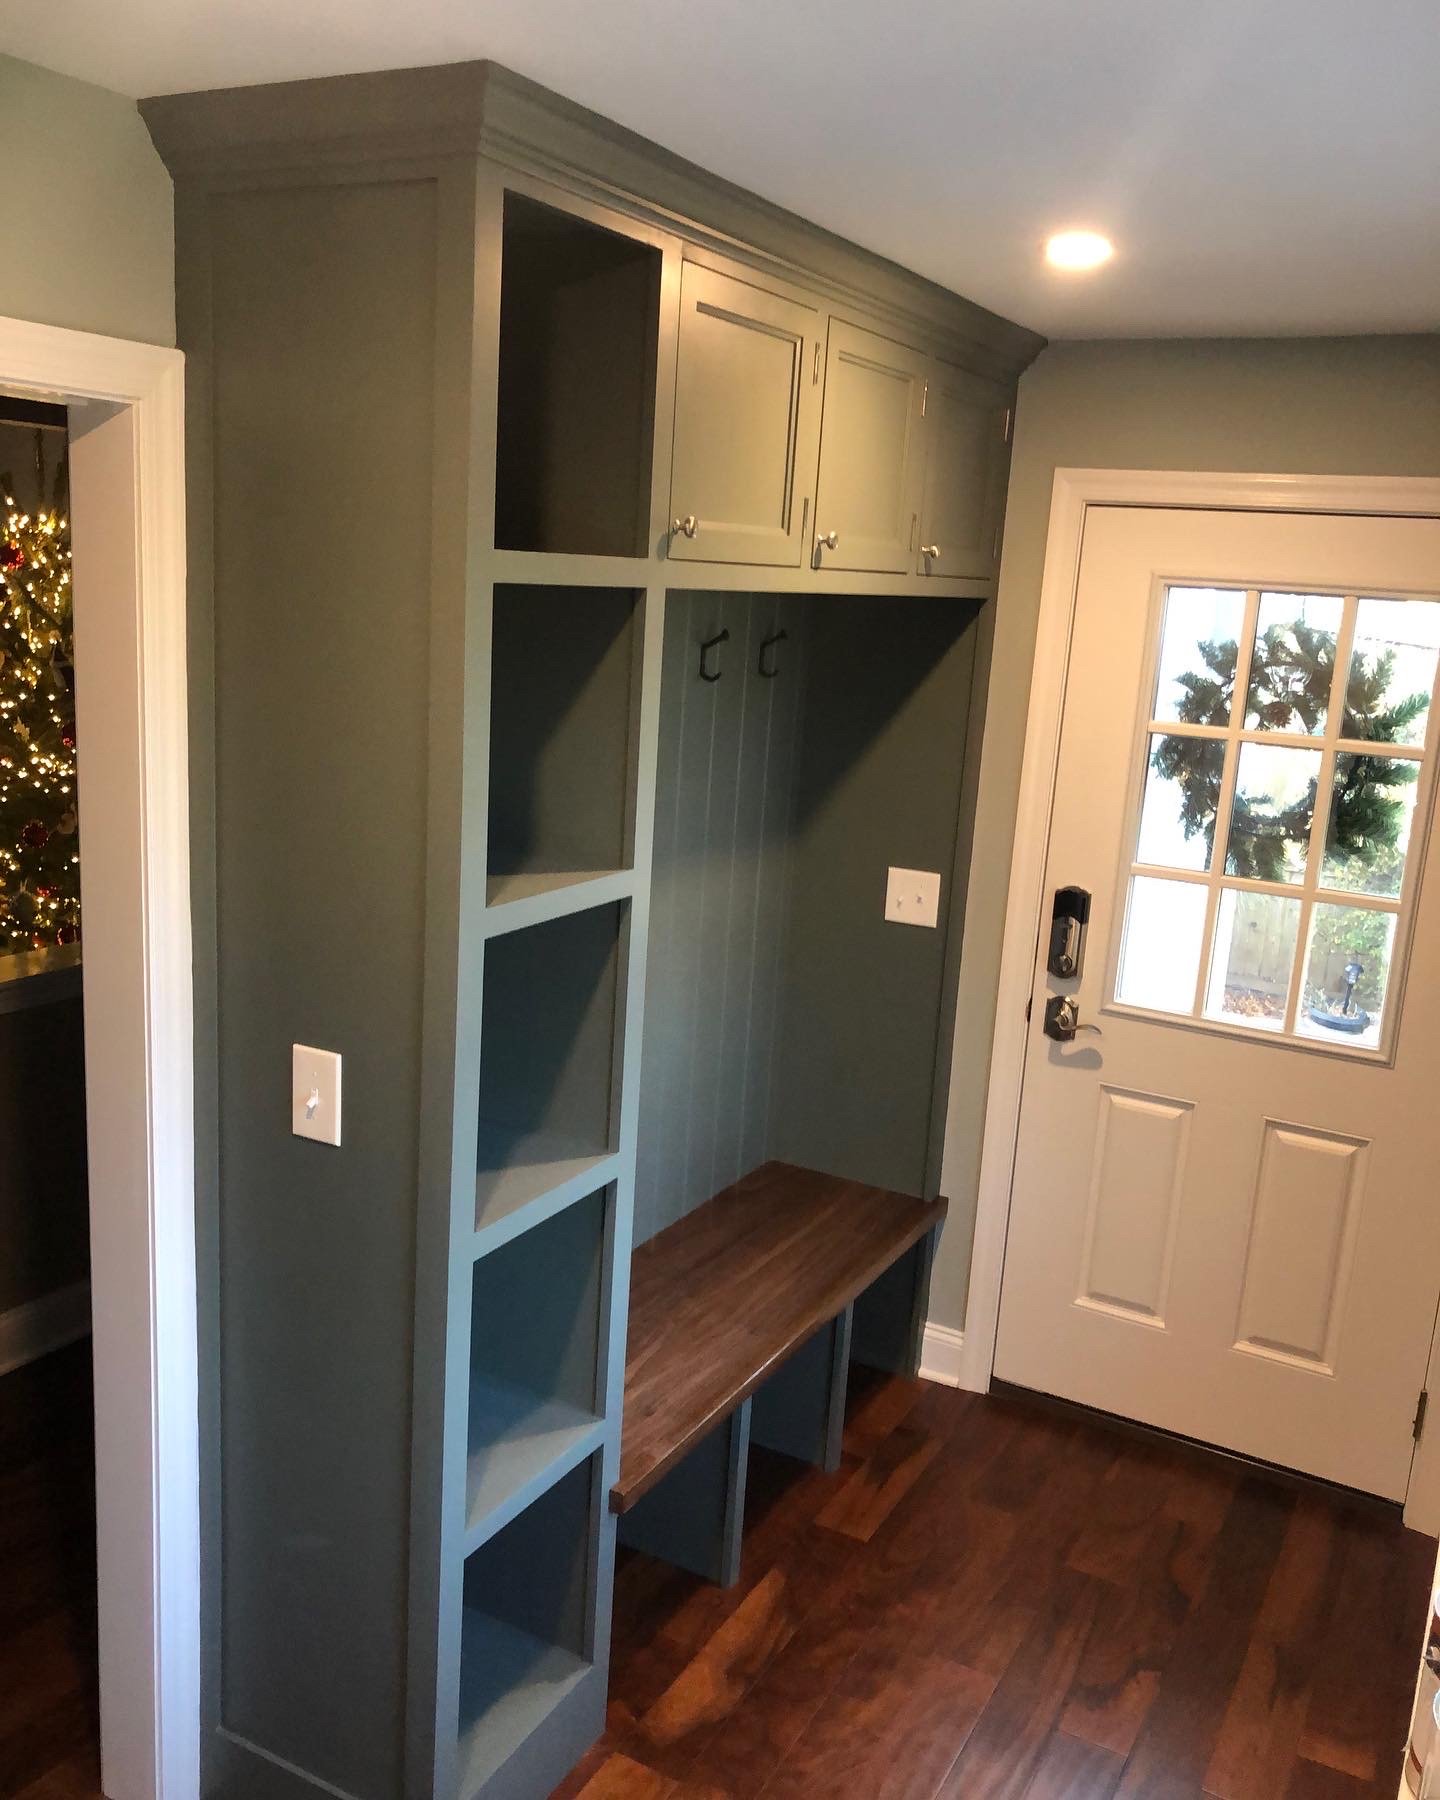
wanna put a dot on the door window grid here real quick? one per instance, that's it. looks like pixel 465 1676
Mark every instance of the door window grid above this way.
pixel 1306 889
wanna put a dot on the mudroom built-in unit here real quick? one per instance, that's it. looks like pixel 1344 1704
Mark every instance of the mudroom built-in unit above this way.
pixel 590 568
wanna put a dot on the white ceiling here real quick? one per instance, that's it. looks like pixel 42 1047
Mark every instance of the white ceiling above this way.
pixel 1264 166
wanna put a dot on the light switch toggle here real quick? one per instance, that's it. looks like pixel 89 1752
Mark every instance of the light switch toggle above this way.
pixel 315 1094
pixel 912 897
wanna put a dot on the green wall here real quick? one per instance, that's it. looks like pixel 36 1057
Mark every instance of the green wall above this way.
pixel 88 225
pixel 1342 406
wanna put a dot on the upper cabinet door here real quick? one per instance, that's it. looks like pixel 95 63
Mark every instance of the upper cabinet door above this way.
pixel 967 423
pixel 867 503
pixel 746 423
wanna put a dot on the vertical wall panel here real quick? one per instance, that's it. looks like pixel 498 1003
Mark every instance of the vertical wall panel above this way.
pixel 784 1016
pixel 722 831
pixel 882 757
pixel 714 829
pixel 781 726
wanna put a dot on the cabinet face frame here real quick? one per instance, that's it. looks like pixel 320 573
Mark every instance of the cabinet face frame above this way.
pixel 972 556
pixel 745 306
pixel 890 551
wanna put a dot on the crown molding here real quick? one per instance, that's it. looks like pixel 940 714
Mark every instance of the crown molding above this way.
pixel 234 136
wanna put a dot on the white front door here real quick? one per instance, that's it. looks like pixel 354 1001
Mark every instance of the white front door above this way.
pixel 1226 1212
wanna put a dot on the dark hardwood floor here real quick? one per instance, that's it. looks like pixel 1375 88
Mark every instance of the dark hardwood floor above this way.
pixel 987 1601
pixel 49 1727
pixel 991 1600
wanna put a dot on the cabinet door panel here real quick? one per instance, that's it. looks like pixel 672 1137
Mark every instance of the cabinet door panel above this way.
pixel 746 421
pixel 869 452
pixel 967 420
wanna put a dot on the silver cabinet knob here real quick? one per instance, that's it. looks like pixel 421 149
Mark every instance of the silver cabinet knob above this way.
pixel 931 552
pixel 827 540
pixel 687 527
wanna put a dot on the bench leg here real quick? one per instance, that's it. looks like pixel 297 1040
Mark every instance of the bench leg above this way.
pixel 693 1516
pixel 800 1411
pixel 890 1315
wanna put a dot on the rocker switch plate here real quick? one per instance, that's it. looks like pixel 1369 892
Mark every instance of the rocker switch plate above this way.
pixel 912 897
pixel 315 1093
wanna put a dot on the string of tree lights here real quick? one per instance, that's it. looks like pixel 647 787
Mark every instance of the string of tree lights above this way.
pixel 39 821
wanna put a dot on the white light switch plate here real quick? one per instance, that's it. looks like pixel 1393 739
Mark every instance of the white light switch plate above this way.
pixel 912 897
pixel 315 1093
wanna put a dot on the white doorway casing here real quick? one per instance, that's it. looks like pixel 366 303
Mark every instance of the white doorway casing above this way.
pixel 1075 491
pixel 127 504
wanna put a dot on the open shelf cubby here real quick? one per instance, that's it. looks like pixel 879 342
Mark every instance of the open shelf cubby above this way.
pixel 564 684
pixel 527 1624
pixel 549 1055
pixel 536 1325
pixel 579 315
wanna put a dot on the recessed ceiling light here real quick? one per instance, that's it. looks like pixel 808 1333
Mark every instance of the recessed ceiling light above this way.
pixel 1078 250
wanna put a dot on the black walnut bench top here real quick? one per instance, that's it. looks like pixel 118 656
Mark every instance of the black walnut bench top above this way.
pixel 719 1299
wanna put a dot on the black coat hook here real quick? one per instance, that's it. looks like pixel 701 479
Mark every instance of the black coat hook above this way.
pixel 720 637
pixel 769 669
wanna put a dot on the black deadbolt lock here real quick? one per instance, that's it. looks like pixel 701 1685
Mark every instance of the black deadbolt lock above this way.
pixel 1068 919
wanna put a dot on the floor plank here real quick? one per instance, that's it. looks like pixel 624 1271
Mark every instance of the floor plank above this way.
pixel 1071 1769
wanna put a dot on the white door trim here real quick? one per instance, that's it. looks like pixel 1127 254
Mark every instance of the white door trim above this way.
pixel 1076 490
pixel 127 495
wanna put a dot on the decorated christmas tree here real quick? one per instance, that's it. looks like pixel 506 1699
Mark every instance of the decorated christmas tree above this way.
pixel 1289 690
pixel 39 837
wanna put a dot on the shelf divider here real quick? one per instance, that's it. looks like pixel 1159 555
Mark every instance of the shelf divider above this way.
pixel 513 902
pixel 500 1227
pixel 556 568
pixel 516 1170
pixel 520 1445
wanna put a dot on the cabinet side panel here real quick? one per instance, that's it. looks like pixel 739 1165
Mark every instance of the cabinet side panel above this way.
pixel 324 322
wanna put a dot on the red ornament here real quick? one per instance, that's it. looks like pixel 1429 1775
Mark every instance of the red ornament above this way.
pixel 35 836
pixel 67 934
pixel 67 734
pixel 11 556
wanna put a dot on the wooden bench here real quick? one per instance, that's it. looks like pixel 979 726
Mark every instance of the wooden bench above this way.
pixel 744 1318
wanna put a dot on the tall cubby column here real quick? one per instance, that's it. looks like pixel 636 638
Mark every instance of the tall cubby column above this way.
pixel 575 313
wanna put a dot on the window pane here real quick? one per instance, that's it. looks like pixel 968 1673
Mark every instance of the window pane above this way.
pixel 1372 807
pixel 1160 957
pixel 1254 954
pixel 1292 664
pixel 1272 812
pixel 1347 973
pixel 1392 671
pixel 1182 793
pixel 1198 648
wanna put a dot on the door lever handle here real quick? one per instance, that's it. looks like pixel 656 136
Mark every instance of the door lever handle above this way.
pixel 1062 1019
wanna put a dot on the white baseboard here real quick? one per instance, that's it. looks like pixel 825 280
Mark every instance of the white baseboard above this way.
pixel 40 1326
pixel 940 1354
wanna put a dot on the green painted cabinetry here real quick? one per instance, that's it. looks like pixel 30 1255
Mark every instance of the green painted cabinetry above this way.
pixel 459 355
pixel 871 452
pixel 747 420
pixel 967 430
